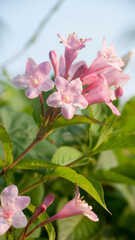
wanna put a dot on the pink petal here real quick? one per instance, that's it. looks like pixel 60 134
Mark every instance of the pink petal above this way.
pixel 75 67
pixel 61 84
pixel 45 67
pixel 92 216
pixel 61 37
pixel 80 102
pixel 21 81
pixel 31 66
pixel 113 108
pixel 68 111
pixel 47 85
pixel 4 226
pixel 54 100
pixel 32 92
pixel 8 195
pixel 19 220
pixel 62 66
pixel 21 202
pixel 75 86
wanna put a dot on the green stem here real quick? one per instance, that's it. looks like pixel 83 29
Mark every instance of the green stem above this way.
pixel 90 128
pixel 42 105
pixel 36 140
pixel 78 159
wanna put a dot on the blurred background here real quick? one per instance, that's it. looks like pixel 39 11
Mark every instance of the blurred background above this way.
pixel 28 28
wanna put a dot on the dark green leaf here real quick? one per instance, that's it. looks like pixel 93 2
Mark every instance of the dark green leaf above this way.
pixel 112 176
pixel 29 163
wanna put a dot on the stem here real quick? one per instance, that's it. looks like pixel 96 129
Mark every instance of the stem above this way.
pixel 42 106
pixel 90 128
pixel 78 159
pixel 33 186
pixel 36 140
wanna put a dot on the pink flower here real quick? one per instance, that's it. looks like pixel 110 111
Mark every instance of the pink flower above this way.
pixel 75 207
pixel 72 45
pixel 68 97
pixel 98 91
pixel 35 79
pixel 11 209
pixel 110 56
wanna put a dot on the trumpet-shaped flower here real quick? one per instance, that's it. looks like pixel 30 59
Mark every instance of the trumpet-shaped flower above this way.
pixel 97 90
pixel 68 97
pixel 72 45
pixel 75 207
pixel 36 79
pixel 11 209
pixel 110 56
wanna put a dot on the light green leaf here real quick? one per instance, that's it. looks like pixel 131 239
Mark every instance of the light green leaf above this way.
pixel 89 185
pixel 117 141
pixel 7 146
pixel 77 119
pixel 106 130
pixel 49 227
pixel 29 163
pixel 65 155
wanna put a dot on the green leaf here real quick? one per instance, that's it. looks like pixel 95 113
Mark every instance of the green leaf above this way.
pixel 7 146
pixel 117 141
pixel 126 122
pixel 112 176
pixel 49 227
pixel 77 119
pixel 10 236
pixel 37 113
pixel 106 130
pixel 89 185
pixel 29 163
pixel 65 155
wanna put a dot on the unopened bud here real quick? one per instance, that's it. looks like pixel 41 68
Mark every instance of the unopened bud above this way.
pixel 119 92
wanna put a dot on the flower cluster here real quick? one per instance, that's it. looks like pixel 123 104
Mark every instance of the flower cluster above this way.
pixel 12 205
pixel 76 84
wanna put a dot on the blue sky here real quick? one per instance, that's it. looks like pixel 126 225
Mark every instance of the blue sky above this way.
pixel 114 19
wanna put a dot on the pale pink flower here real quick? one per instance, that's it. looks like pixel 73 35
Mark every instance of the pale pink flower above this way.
pixel 36 79
pixel 72 45
pixel 68 97
pixel 97 90
pixel 75 207
pixel 11 209
pixel 110 56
